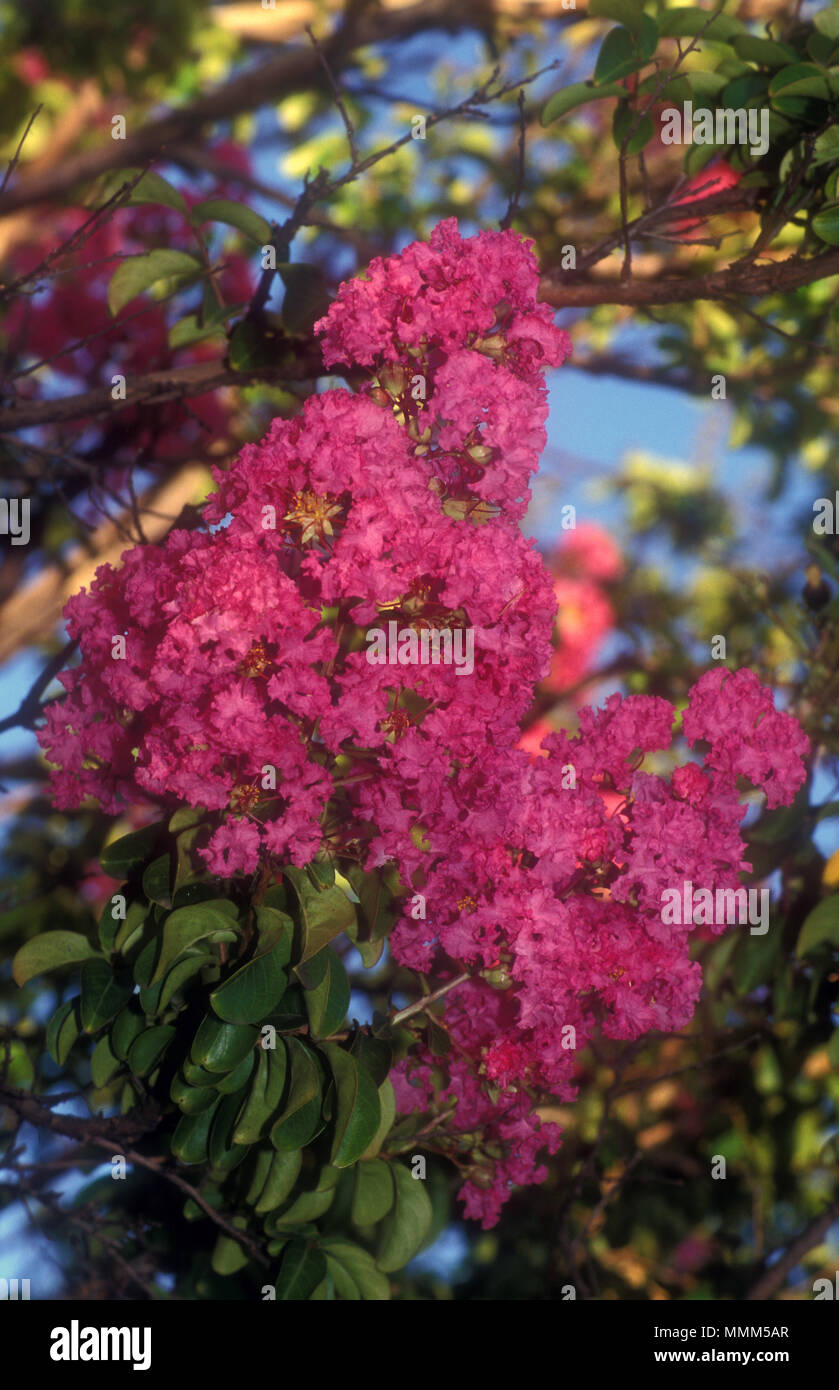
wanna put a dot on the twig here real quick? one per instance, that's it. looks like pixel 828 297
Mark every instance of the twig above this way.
pixel 12 165
pixel 518 187
pixel 336 92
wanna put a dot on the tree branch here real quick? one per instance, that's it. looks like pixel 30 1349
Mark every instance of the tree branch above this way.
pixel 772 1279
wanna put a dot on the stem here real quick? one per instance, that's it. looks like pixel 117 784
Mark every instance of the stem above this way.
pixel 428 999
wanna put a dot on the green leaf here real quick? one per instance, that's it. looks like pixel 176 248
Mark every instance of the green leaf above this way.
pixel 302 1267
pixel 188 925
pixel 127 1025
pixel 301 1115
pixel 265 1095
pixel 150 188
pixel 282 1175
pixel 62 1030
pixel 219 1046
pixel 148 1048
pixel 305 300
pixel 826 224
pixel 346 1261
pixel 138 273
pixel 577 94
pixel 237 1078
pixel 156 881
pixel 189 1142
pixel 192 1100
pixel 174 982
pixel 111 928
pixel 374 1054
pixel 221 1149
pixel 387 1105
pixel 373 1194
pixel 623 121
pixel 103 1063
pixel 324 914
pixel 618 57
pixel 122 856
pixel 49 951
pixel 827 21
pixel 357 1111
pixel 800 79
pixel 629 13
pixel 820 927
pixel 191 329
pixel 826 146
pixel 309 1206
pixel 233 215
pixel 327 1004
pixel 764 51
pixel 228 1255
pixel 690 21
pixel 408 1223
pixel 18 1068
pixel 102 994
pixel 250 994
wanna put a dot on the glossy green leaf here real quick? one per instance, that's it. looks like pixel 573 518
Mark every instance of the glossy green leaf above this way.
pixel 149 188
pixel 219 1046
pixel 112 928
pixel 233 215
pixel 121 857
pixel 138 273
pixel 189 1142
pixel 229 1256
pixel 301 1114
pixel 49 951
pixel 623 53
pixel 347 1261
pixel 188 925
pixel 826 146
pixel 302 1267
pixel 148 1048
pixel 407 1224
pixel 826 224
pixel 266 1093
pixel 192 1100
pixel 237 1078
pixel 574 95
pixel 323 914
pixel 764 51
pixel 357 1111
pixel 387 1105
pixel 692 20
pixel 221 1149
pixel 629 13
pixel 282 1175
pixel 800 79
pixel 327 1004
pixel 192 329
pixel 374 1054
pixel 156 878
pixel 249 995
pixel 103 994
pixel 62 1030
pixel 103 1063
pixel 820 927
pixel 175 980
pixel 127 1025
pixel 373 1193
pixel 309 1206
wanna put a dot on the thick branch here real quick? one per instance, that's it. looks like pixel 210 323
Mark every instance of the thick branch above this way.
pixel 769 278
pixel 293 70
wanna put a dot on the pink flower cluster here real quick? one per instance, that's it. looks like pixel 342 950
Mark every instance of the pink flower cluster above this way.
pixel 245 647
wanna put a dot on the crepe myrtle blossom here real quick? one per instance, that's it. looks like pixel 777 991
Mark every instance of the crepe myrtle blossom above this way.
pixel 220 651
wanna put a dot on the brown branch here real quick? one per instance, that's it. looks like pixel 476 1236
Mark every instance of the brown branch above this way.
pixel 775 278
pixel 771 1280
pixel 108 1134
pixel 293 70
